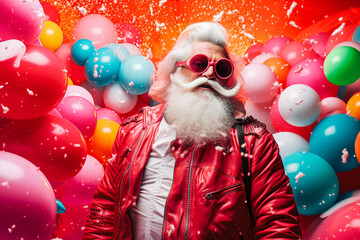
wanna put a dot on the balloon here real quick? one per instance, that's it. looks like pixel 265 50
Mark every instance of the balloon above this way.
pixel 22 20
pixel 260 83
pixel 356 35
pixel 133 50
pixel 276 44
pixel 281 125
pixel 299 105
pixel 60 208
pixel 117 99
pixel 27 202
pixel 96 92
pixel 51 13
pixel 80 112
pixel 128 33
pixel 263 57
pixel 310 72
pixel 341 65
pixel 81 51
pixel 318 41
pixel 330 106
pixel 76 193
pixel 313 180
pixel 102 67
pixel 290 143
pixel 97 28
pixel 70 82
pixel 351 89
pixel 341 34
pixel 357 146
pixel 348 194
pixel 75 72
pixel 253 51
pixel 79 91
pixel 135 74
pixel 353 106
pixel 353 44
pixel 120 51
pixel 294 52
pixel 333 139
pixel 105 113
pixel 100 144
pixel 280 67
pixel 51 36
pixel 33 79
pixel 260 111
pixel 53 144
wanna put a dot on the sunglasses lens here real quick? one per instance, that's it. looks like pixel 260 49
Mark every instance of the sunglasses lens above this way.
pixel 199 63
pixel 224 68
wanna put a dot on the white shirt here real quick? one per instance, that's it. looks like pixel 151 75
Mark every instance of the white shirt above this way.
pixel 148 214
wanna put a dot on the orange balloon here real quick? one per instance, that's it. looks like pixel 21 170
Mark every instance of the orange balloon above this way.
pixel 280 67
pixel 353 106
pixel 100 144
pixel 357 147
pixel 51 36
pixel 70 82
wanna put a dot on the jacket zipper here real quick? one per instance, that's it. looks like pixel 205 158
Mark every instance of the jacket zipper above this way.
pixel 215 194
pixel 122 178
pixel 188 198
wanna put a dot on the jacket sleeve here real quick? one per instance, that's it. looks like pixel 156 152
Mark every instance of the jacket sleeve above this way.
pixel 272 200
pixel 100 223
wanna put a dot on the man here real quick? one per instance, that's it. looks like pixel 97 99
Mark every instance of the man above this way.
pixel 177 171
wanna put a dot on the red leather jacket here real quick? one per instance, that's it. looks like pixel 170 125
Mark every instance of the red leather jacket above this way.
pixel 208 198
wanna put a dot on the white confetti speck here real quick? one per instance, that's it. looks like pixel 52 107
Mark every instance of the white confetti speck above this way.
pixel 82 10
pixel 293 5
pixel 344 156
pixel 218 17
pixel 298 176
pixel 5 109
pixel 339 29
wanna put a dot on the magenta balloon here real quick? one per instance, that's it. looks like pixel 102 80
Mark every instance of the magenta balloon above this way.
pixel 310 72
pixel 295 52
pixel 27 200
pixel 105 113
pixel 80 112
pixel 275 44
pixel 76 194
pixel 319 42
pixel 75 90
pixel 21 20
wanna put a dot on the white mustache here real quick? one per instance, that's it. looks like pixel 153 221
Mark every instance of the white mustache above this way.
pixel 203 80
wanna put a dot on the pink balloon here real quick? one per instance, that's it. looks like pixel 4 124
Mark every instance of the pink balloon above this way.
pixel 331 105
pixel 96 92
pixel 353 44
pixel 27 202
pixel 22 20
pixel 80 112
pixel 74 90
pixel 76 194
pixel 310 72
pixel 105 113
pixel 133 50
pixel 263 57
pixel 253 51
pixel 319 42
pixel 295 52
pixel 275 44
pixel 55 113
pixel 96 28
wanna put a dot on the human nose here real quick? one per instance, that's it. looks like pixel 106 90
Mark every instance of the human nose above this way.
pixel 210 72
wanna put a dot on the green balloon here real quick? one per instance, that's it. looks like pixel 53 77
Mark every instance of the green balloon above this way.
pixel 342 65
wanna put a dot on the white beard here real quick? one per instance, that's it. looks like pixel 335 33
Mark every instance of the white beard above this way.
pixel 198 116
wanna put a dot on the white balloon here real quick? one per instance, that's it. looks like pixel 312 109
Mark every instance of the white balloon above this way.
pixel 299 105
pixel 117 99
pixel 263 57
pixel 290 143
pixel 75 90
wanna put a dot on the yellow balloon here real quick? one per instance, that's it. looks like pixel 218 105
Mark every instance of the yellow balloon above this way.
pixel 51 36
pixel 70 82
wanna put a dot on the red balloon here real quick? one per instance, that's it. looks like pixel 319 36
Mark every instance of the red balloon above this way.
pixel 294 52
pixel 53 144
pixel 253 51
pixel 128 33
pixel 33 86
pixel 51 14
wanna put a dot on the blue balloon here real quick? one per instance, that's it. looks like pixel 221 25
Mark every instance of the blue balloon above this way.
pixel 102 67
pixel 135 74
pixel 60 207
pixel 356 35
pixel 333 139
pixel 313 180
pixel 119 50
pixel 81 51
pixel 348 194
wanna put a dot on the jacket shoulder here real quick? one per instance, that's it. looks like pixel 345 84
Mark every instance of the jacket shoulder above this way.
pixel 251 126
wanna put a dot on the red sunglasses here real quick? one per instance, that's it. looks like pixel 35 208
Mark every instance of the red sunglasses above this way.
pixel 200 63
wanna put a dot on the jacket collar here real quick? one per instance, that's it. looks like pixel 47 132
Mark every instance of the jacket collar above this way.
pixel 151 115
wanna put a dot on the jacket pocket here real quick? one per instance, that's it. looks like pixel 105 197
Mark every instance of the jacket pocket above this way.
pixel 221 192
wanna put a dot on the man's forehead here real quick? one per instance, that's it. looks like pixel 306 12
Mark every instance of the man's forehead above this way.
pixel 208 48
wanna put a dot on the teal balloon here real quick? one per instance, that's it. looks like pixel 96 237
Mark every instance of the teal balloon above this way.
pixel 348 194
pixel 333 139
pixel 102 67
pixel 314 182
pixel 60 207
pixel 120 51
pixel 81 50
pixel 341 65
pixel 135 74
pixel 356 35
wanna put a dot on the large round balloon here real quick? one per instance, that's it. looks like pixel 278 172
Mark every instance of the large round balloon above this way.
pixel 333 139
pixel 33 78
pixel 313 180
pixel 117 99
pixel 81 50
pixel 290 143
pixel 22 20
pixel 318 41
pixel 276 44
pixel 53 144
pixel 27 202
pixel 295 52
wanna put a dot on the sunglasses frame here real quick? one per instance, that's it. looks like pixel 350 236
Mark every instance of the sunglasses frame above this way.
pixel 187 63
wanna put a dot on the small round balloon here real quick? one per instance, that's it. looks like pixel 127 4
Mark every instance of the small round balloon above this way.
pixel 136 73
pixel 330 106
pixel 333 139
pixel 51 36
pixel 341 66
pixel 290 143
pixel 81 50
pixel 117 99
pixel 313 180
pixel 102 67
pixel 120 51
